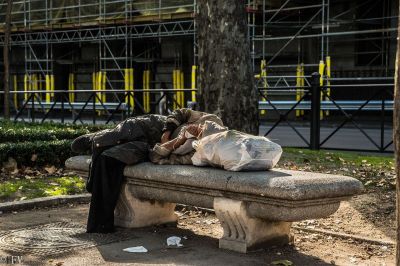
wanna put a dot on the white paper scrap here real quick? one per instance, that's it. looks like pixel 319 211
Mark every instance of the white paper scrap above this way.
pixel 139 249
pixel 174 241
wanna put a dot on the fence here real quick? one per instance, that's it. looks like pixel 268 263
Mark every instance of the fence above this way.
pixel 316 107
pixel 63 108
pixel 316 103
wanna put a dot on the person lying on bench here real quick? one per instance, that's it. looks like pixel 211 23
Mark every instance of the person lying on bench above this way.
pixel 126 144
pixel 180 149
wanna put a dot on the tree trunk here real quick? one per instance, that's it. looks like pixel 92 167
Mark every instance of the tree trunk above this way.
pixel 226 81
pixel 396 139
pixel 6 48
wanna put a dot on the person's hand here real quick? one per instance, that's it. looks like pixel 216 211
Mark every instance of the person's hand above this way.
pixel 194 130
pixel 165 137
pixel 181 137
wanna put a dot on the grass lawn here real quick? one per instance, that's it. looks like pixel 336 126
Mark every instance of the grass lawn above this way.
pixel 21 189
pixel 375 171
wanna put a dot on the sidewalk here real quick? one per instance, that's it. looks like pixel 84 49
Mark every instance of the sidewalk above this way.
pixel 55 236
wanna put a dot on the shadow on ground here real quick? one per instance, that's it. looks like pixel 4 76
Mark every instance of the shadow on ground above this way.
pixel 197 250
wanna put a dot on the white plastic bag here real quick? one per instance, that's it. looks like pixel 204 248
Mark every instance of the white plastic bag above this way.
pixel 236 151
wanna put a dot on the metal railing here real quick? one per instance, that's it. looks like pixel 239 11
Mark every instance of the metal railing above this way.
pixel 318 103
pixel 92 108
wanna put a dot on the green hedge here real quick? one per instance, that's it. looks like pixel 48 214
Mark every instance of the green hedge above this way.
pixel 51 125
pixel 43 152
pixel 20 132
pixel 49 142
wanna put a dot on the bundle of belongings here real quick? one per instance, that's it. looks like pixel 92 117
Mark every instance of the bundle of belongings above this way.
pixel 235 151
pixel 213 144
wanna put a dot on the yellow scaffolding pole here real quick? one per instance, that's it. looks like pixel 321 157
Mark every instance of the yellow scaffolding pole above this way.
pixel 328 76
pixel 48 88
pixel 174 86
pixel 126 83
pixel 146 89
pixel 71 87
pixel 178 86
pixel 52 86
pixel 194 72
pixel 34 85
pixel 15 85
pixel 298 85
pixel 321 81
pixel 302 82
pixel 26 86
pixel 182 86
pixel 130 86
pixel 40 85
pixel 98 85
pixel 263 77
pixel 103 87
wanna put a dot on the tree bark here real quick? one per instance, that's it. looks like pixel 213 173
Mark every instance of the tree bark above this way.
pixel 226 81
pixel 6 48
pixel 396 139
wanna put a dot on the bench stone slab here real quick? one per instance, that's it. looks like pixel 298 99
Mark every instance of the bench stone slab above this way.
pixel 255 208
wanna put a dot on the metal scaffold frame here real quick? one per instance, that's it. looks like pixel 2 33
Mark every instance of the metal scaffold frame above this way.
pixel 263 18
pixel 106 24
pixel 37 25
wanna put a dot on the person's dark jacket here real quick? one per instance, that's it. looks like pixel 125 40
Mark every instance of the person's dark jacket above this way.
pixel 131 140
pixel 112 149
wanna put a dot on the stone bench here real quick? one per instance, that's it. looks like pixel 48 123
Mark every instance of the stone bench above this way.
pixel 255 208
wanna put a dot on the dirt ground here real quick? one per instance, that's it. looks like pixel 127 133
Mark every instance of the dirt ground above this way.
pixel 370 216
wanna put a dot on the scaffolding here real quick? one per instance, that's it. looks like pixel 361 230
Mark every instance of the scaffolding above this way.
pixel 112 25
pixel 289 40
pixel 282 31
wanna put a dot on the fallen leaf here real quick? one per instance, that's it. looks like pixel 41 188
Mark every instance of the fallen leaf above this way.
pixel 51 170
pixel 369 182
pixel 10 165
pixel 34 157
pixel 15 172
pixel 28 170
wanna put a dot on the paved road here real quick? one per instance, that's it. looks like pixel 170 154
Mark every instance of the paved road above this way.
pixel 345 138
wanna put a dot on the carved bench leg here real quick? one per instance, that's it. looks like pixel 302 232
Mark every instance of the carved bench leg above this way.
pixel 243 233
pixel 131 212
